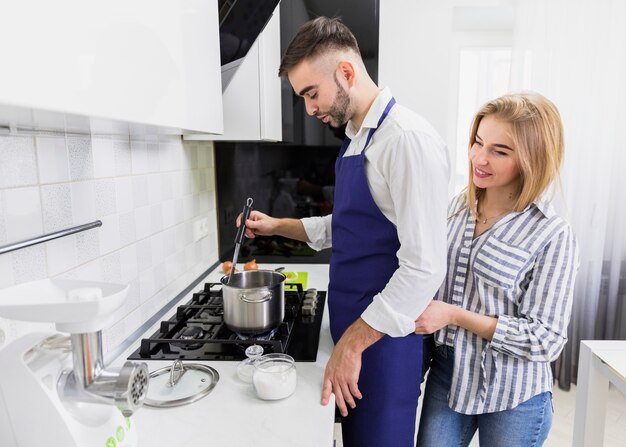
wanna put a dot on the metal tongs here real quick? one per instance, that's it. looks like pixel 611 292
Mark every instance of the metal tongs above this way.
pixel 245 214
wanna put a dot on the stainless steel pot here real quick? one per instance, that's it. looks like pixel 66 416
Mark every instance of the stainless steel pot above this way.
pixel 254 301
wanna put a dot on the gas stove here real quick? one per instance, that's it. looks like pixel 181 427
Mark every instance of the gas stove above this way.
pixel 197 330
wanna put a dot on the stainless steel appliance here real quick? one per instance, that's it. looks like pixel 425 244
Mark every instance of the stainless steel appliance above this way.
pixel 197 330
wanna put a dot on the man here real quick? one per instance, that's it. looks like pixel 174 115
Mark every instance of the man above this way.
pixel 387 232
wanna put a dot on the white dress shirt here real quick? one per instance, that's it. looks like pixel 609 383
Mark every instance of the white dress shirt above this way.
pixel 407 171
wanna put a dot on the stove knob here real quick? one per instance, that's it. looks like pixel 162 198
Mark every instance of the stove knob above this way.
pixel 307 309
pixel 310 295
pixel 310 302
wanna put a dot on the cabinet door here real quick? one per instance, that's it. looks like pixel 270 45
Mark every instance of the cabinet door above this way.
pixel 252 100
pixel 143 61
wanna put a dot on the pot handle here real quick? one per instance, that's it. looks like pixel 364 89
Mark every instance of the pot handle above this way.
pixel 266 297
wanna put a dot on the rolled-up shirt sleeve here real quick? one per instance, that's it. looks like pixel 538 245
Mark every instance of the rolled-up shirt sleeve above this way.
pixel 539 332
pixel 416 171
pixel 319 232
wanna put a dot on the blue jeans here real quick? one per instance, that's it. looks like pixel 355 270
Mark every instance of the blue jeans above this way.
pixel 526 425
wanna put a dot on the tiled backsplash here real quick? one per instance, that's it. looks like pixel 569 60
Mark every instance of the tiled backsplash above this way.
pixel 147 192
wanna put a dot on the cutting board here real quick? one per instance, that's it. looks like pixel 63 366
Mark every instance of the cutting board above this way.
pixel 297 277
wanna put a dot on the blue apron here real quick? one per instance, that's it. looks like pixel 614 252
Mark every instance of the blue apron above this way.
pixel 363 260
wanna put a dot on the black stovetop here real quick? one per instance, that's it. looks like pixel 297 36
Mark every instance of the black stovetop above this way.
pixel 197 331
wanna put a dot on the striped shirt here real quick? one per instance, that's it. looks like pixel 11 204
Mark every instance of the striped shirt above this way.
pixel 521 271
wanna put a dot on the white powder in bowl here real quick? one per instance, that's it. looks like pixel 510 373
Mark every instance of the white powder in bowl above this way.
pixel 274 381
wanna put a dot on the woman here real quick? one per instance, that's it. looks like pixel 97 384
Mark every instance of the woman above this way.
pixel 501 315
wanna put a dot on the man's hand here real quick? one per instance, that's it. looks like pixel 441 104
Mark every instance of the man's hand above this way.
pixel 437 315
pixel 259 224
pixel 344 366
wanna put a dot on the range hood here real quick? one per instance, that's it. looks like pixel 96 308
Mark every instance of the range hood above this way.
pixel 241 22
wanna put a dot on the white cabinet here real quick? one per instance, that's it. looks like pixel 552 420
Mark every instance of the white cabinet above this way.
pixel 252 100
pixel 153 62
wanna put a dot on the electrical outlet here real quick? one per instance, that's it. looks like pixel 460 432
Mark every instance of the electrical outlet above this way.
pixel 200 228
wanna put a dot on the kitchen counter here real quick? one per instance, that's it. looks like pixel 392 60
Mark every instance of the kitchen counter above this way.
pixel 231 415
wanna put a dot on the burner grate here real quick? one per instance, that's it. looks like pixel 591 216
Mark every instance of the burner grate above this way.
pixel 197 331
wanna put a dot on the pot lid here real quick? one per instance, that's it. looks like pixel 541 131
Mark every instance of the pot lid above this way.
pixel 180 384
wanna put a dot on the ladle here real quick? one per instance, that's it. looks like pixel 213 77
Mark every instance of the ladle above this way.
pixel 245 214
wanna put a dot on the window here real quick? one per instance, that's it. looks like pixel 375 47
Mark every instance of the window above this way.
pixel 483 75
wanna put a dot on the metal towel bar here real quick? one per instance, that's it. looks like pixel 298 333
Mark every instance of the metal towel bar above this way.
pixel 48 237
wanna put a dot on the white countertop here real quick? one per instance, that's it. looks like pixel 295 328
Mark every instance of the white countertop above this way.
pixel 231 415
pixel 600 362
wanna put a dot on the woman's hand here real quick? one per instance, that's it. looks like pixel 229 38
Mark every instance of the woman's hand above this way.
pixel 437 315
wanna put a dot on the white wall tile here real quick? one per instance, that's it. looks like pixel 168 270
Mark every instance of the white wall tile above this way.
pixel 139 156
pixel 169 242
pixel 154 188
pixel 111 268
pixel 3 225
pixel 83 202
pixel 6 270
pixel 210 155
pixel 210 180
pixel 128 263
pixel 140 191
pixel 122 157
pixel 158 250
pixel 143 225
pixel 159 276
pixel 167 188
pixel 52 159
pixel 109 234
pixel 61 255
pixel 156 218
pixel 105 196
pixel 57 206
pixel 201 183
pixel 147 286
pixel 187 182
pixel 188 208
pixel 103 157
pixel 90 271
pixel 153 155
pixel 169 213
pixel 127 228
pixel 124 193
pixel 144 255
pixel 22 213
pixel 177 184
pixel 204 155
pixel 80 156
pixel 87 246
pixel 18 165
pixel 190 151
pixel 29 264
pixel 179 211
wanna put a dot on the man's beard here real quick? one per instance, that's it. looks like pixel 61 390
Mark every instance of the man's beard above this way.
pixel 339 109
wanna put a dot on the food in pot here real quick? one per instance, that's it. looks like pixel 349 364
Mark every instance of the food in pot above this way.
pixel 226 266
pixel 252 265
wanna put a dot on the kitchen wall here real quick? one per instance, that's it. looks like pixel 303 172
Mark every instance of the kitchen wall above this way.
pixel 147 191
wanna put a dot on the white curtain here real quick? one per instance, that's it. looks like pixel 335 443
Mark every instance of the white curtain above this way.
pixel 574 52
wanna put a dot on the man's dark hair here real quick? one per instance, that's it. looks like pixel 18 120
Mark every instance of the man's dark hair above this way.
pixel 315 37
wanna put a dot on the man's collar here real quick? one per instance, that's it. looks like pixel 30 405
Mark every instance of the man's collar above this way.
pixel 373 114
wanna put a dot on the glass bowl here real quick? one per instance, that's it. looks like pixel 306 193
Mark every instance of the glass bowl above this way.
pixel 274 376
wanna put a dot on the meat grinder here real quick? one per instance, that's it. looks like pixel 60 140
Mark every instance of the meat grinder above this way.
pixel 55 388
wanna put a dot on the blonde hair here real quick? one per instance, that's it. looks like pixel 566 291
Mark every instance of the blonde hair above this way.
pixel 538 140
